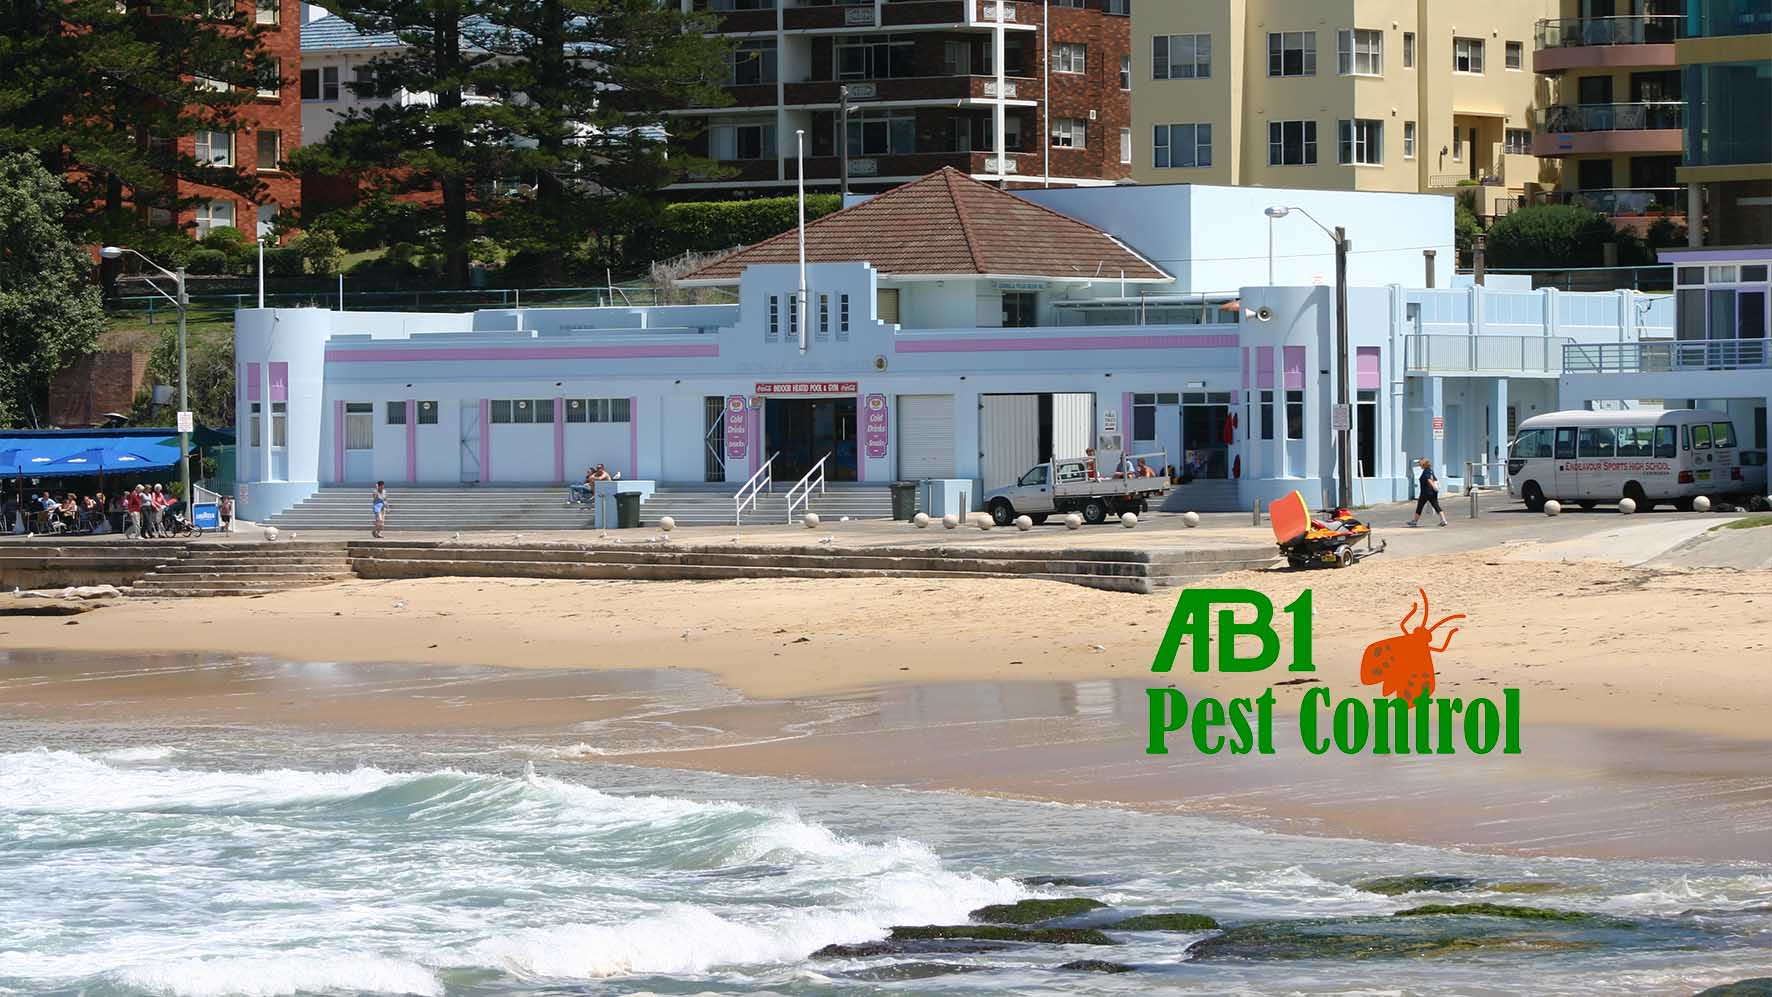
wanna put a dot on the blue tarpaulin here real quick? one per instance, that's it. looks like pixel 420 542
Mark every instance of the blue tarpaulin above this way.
pixel 69 454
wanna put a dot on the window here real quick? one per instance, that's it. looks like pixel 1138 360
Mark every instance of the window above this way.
pixel 1565 443
pixel 274 70
pixel 882 133
pixel 755 140
pixel 359 426
pixel 1458 144
pixel 212 215
pixel 1295 415
pixel 1034 476
pixel 270 11
pixel 1069 57
pixel 774 329
pixel 1723 434
pixel 1664 442
pixel 1517 142
pixel 500 411
pixel 1125 145
pixel 1120 7
pixel 1597 441
pixel 544 410
pixel 1408 50
pixel 1533 443
pixel 396 413
pixel 1408 140
pixel 1181 57
pixel 824 316
pixel 1366 428
pixel 751 62
pixel 279 424
pixel 320 84
pixel 1267 415
pixel 1515 55
pixel 258 426
pixel 1292 143
pixel 1020 309
pixel 1182 146
pixel 1467 55
pixel 842 316
pixel 1069 133
pixel 1359 52
pixel 864 57
pixel 1700 437
pixel 1292 53
pixel 1362 142
pixel 270 150
pixel 1125 72
pixel 427 413
pixel 215 148
pixel 596 410
pixel 793 329
pixel 362 80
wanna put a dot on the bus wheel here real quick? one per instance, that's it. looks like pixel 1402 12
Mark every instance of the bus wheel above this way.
pixel 1533 495
pixel 1634 492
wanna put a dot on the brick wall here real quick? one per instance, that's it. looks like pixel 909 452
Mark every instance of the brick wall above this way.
pixel 80 395
pixel 1108 39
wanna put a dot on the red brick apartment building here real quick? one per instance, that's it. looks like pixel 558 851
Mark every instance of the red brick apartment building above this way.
pixel 925 92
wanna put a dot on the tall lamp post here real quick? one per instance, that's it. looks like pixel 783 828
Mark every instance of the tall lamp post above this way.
pixel 1343 419
pixel 182 302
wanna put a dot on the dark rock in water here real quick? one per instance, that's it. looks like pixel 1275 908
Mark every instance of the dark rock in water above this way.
pixel 1758 987
pixel 910 971
pixel 1371 938
pixel 1518 913
pixel 865 950
pixel 1527 886
pixel 998 933
pixel 1097 966
pixel 1064 880
pixel 922 946
pixel 1163 922
pixel 1392 886
pixel 1034 911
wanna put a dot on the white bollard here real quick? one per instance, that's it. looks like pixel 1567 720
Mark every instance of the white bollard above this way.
pixel 270 533
pixel 1129 519
pixel 1627 506
pixel 666 523
pixel 1073 522
pixel 983 521
pixel 920 520
pixel 1024 523
pixel 811 520
pixel 1192 519
pixel 950 521
pixel 1701 503
pixel 1553 508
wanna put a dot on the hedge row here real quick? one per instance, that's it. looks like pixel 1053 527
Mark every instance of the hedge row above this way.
pixel 711 226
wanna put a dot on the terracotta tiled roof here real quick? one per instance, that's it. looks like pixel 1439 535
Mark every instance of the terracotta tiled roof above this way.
pixel 948 224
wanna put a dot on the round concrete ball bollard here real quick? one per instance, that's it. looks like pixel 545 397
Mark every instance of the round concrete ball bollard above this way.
pixel 920 520
pixel 811 520
pixel 1627 506
pixel 1129 519
pixel 270 533
pixel 1192 519
pixel 950 521
pixel 1073 522
pixel 983 521
pixel 1701 503
pixel 1023 523
pixel 1553 508
pixel 667 524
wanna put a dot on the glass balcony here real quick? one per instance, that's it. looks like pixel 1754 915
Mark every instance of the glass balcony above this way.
pixel 1638 202
pixel 1635 29
pixel 1727 18
pixel 1565 118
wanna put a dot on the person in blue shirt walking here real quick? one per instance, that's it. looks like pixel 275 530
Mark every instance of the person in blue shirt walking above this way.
pixel 378 504
pixel 1428 494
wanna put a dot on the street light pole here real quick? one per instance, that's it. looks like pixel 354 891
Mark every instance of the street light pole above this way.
pixel 1343 413
pixel 843 140
pixel 184 398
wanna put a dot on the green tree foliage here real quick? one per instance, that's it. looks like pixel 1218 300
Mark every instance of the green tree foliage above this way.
pixel 50 312
pixel 1559 236
pixel 546 113
pixel 1465 227
pixel 103 91
pixel 712 226
pixel 210 360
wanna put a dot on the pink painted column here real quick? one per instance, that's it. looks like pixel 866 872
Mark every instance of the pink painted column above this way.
pixel 861 453
pixel 338 441
pixel 411 440
pixel 634 437
pixel 559 440
pixel 485 440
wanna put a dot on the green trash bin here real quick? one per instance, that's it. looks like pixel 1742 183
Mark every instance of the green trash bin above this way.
pixel 627 510
pixel 904 499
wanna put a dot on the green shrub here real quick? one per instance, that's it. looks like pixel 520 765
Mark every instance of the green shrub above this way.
pixel 207 262
pixel 319 249
pixel 711 226
pixel 228 240
pixel 283 261
pixel 1559 236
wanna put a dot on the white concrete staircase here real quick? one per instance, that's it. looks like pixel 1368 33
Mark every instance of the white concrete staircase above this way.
pixel 464 508
pixel 245 569
pixel 1204 495
pixel 712 505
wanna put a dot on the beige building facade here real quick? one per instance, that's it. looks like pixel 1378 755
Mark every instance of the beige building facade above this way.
pixel 1390 95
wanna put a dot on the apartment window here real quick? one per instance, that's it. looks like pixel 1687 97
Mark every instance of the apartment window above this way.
pixel 1120 7
pixel 861 57
pixel 752 62
pixel 1295 415
pixel 1125 72
pixel 1069 133
pixel 215 148
pixel 274 69
pixel 1292 53
pixel 1125 145
pixel 1517 142
pixel 279 424
pixel 879 133
pixel 1069 57
pixel 1361 142
pixel 1516 55
pixel 1267 415
pixel 211 84
pixel 824 316
pixel 320 83
pixel 270 150
pixel 270 11
pixel 1408 50
pixel 1408 140
pixel 396 413
pixel 1182 146
pixel 1292 143
pixel 1181 57
pixel 1020 309
pixel 257 424
pixel 742 141
pixel 842 316
pixel 1467 55
pixel 793 329
pixel 1359 52
pixel 774 329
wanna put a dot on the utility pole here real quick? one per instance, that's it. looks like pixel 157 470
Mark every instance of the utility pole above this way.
pixel 1344 410
pixel 843 140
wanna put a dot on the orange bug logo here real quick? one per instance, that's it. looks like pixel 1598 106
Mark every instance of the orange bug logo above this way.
pixel 1405 664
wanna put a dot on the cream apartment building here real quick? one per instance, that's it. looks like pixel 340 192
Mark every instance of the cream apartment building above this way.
pixel 1392 95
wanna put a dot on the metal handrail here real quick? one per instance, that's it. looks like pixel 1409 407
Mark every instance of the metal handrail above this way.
pixel 1634 116
pixel 1667 355
pixel 1624 29
pixel 764 478
pixel 807 483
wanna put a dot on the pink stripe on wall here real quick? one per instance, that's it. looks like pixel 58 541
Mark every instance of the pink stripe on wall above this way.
pixel 338 441
pixel 279 382
pixel 1294 366
pixel 253 388
pixel 411 440
pixel 409 354
pixel 1369 376
pixel 634 437
pixel 1019 344
pixel 559 439
pixel 1264 366
pixel 485 440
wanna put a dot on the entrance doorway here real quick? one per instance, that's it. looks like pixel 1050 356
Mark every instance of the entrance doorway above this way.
pixel 799 431
pixel 1203 417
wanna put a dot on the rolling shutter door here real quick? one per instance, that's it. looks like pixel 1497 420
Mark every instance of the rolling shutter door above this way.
pixel 1009 434
pixel 925 437
pixel 1073 424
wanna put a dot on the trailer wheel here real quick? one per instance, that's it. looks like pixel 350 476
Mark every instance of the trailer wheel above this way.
pixel 1344 556
pixel 1095 512
pixel 1002 513
pixel 1533 496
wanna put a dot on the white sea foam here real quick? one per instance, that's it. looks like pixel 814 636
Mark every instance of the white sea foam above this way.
pixel 50 782
pixel 145 753
pixel 284 974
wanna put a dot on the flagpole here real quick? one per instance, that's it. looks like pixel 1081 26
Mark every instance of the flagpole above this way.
pixel 261 272
pixel 801 307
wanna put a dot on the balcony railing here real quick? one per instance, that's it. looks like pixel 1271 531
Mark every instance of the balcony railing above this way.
pixel 1666 356
pixel 1632 29
pixel 1565 118
pixel 1723 18
pixel 1442 353
pixel 1625 202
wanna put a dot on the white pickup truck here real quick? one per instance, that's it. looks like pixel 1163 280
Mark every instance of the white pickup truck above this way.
pixel 1065 485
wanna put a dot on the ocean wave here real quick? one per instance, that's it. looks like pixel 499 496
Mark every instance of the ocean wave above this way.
pixel 145 753
pixel 42 781
pixel 284 974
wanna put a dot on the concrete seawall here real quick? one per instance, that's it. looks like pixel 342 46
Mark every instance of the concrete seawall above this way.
pixel 33 564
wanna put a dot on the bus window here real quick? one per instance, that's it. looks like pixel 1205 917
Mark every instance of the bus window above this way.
pixel 1565 443
pixel 1664 442
pixel 1700 436
pixel 1595 442
pixel 1724 433
pixel 1533 443
pixel 1628 442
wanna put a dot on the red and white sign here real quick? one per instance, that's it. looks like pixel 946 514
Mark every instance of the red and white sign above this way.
pixel 876 430
pixel 738 427
pixel 807 387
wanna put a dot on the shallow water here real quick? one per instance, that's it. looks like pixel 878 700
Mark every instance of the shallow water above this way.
pixel 137 859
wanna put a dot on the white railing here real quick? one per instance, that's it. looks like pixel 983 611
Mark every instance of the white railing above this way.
pixel 804 487
pixel 1442 353
pixel 746 497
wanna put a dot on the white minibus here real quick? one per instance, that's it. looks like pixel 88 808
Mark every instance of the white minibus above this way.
pixel 1650 456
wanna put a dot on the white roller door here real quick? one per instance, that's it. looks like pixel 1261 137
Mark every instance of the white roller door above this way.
pixel 1073 424
pixel 925 437
pixel 1009 437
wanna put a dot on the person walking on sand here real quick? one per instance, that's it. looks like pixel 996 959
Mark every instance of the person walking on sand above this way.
pixel 1429 494
pixel 378 504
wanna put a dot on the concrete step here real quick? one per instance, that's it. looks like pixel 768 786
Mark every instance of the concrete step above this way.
pixel 336 570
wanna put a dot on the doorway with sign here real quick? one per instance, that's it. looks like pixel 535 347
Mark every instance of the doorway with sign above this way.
pixel 800 431
pixel 1205 452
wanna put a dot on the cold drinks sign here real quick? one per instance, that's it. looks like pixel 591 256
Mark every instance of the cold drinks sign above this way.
pixel 738 427
pixel 874 427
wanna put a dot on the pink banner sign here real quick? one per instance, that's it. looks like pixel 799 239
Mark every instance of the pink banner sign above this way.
pixel 876 431
pixel 738 427
pixel 806 387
